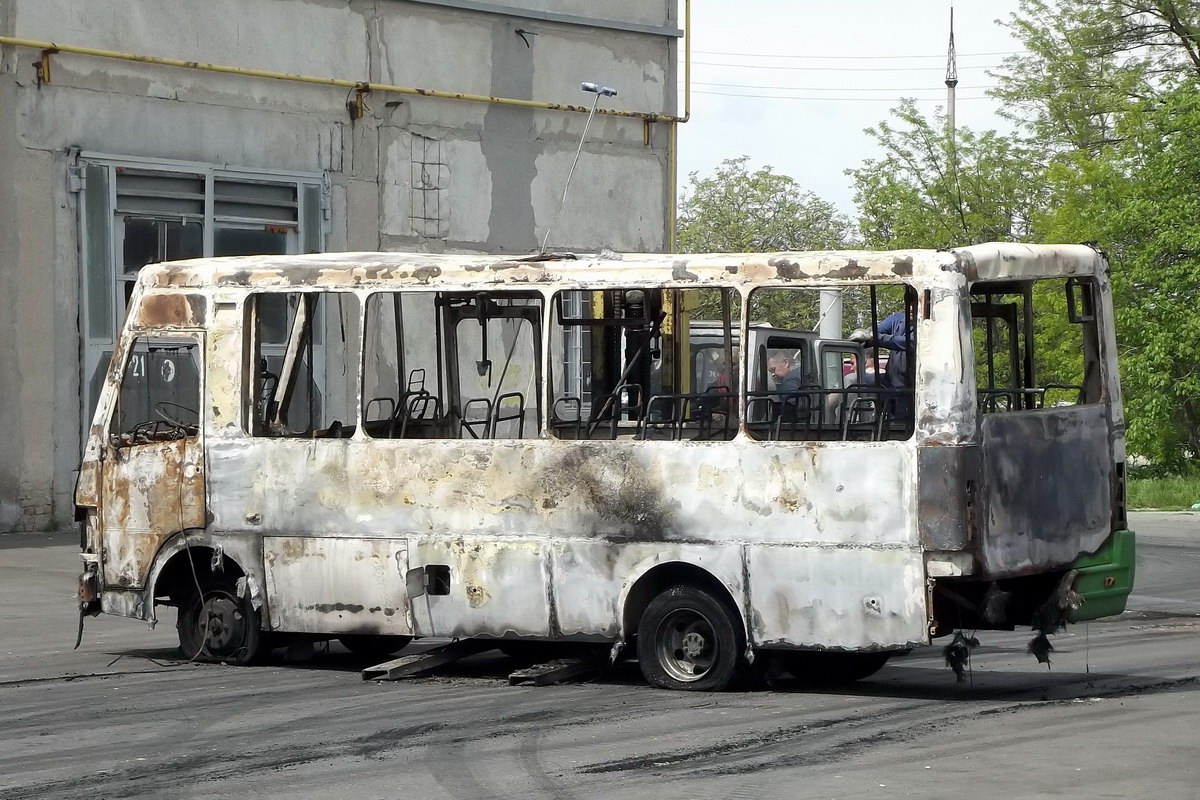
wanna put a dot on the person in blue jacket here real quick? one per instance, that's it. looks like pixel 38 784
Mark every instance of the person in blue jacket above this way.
pixel 893 335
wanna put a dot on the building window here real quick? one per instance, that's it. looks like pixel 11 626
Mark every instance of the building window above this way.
pixel 137 212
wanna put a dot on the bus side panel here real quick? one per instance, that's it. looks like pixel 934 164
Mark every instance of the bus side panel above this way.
pixel 495 588
pixel 1046 488
pixel 593 579
pixel 829 597
pixel 337 585
pixel 517 534
pixel 620 492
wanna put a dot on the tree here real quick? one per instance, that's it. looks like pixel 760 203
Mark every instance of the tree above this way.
pixel 1088 62
pixel 1109 89
pixel 1141 201
pixel 930 189
pixel 738 211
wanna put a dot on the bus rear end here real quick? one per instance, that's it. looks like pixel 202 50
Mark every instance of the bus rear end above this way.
pixel 1028 521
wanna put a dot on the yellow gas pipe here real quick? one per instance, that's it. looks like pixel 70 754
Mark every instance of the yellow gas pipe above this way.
pixel 362 87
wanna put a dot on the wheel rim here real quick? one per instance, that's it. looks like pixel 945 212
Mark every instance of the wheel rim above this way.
pixel 222 624
pixel 687 645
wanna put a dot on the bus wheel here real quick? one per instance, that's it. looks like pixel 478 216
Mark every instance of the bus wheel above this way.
pixel 369 646
pixel 832 668
pixel 218 626
pixel 687 639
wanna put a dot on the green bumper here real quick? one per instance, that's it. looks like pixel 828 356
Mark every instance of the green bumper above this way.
pixel 1105 578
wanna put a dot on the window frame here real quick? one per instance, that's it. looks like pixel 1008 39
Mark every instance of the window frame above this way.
pixel 252 351
pixel 556 307
pixel 811 362
pixel 1080 301
pixel 134 346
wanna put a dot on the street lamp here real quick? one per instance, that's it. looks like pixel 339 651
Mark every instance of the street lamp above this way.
pixel 599 91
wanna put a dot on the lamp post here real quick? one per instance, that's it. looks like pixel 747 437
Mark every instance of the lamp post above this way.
pixel 599 91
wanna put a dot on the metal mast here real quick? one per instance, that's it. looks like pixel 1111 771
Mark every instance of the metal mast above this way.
pixel 951 78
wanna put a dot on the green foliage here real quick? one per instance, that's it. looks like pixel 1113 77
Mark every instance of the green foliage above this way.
pixel 1110 87
pixel 931 189
pixel 1164 492
pixel 1107 99
pixel 738 211
pixel 1140 198
pixel 1090 62
pixel 735 210
pixel 799 309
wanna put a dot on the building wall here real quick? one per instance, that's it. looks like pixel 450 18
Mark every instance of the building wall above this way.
pixel 415 173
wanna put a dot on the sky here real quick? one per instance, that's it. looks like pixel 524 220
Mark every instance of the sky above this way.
pixel 793 83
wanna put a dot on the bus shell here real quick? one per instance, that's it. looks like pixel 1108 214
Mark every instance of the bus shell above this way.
pixel 828 550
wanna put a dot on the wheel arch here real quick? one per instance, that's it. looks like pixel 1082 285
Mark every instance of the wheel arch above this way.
pixel 171 569
pixel 661 576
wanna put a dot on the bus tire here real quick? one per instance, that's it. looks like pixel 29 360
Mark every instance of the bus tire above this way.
pixel 371 646
pixel 689 640
pixel 216 625
pixel 832 668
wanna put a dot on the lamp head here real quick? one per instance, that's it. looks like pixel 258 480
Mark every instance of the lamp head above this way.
pixel 596 88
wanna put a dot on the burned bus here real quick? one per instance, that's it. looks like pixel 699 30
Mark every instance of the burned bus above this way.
pixel 376 447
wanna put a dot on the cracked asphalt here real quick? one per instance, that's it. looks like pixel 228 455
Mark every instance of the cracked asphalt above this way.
pixel 123 717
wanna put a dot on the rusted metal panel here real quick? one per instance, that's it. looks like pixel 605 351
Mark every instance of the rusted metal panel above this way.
pixel 243 549
pixel 592 579
pixel 948 481
pixel 1106 328
pixel 1013 261
pixel 946 413
pixel 619 491
pixel 343 585
pixel 225 341
pixel 1045 487
pixel 125 603
pixel 159 310
pixel 151 491
pixel 817 542
pixel 87 485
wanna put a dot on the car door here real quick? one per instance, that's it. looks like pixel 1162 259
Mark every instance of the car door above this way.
pixel 152 462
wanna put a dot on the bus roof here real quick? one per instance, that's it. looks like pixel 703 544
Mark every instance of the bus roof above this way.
pixel 985 262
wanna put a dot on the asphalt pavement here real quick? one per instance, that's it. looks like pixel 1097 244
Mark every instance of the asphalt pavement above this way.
pixel 122 717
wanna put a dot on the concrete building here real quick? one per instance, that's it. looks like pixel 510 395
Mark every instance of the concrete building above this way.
pixel 108 163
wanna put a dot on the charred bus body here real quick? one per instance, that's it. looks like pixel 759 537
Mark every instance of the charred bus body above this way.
pixel 410 445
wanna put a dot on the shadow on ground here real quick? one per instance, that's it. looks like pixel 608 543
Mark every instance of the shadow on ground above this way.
pixel 914 677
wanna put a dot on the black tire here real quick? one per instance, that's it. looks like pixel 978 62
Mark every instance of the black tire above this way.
pixel 217 626
pixel 371 646
pixel 689 640
pixel 832 669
